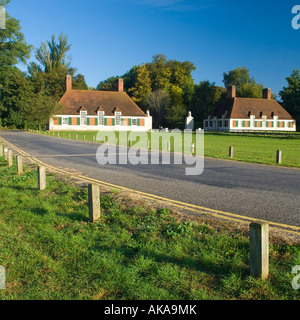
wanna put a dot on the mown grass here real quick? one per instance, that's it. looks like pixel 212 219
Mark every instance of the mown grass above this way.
pixel 259 148
pixel 51 251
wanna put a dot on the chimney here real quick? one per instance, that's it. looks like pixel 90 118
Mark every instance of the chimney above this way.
pixel 267 94
pixel 68 83
pixel 120 85
pixel 231 92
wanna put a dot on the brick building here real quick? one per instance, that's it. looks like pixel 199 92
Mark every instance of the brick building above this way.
pixel 90 110
pixel 235 114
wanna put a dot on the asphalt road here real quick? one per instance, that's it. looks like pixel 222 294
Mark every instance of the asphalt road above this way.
pixel 257 191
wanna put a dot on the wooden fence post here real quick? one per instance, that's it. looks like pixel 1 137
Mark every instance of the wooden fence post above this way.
pixel 192 148
pixel 10 158
pixel 1 150
pixel 259 250
pixel 5 154
pixel 94 202
pixel 231 152
pixel 278 157
pixel 41 178
pixel 19 164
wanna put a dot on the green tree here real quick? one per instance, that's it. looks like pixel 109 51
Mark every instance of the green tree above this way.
pixel 142 88
pixel 109 84
pixel 250 90
pixel 176 111
pixel 206 97
pixel 38 108
pixel 13 47
pixel 13 93
pixel 175 77
pixel 79 82
pixel 290 95
pixel 52 55
pixel 160 73
pixel 181 76
pixel 153 78
pixel 130 78
pixel 13 84
pixel 246 86
pixel 4 3
pixel 157 102
pixel 53 66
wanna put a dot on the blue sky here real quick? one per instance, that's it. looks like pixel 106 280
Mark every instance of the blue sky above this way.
pixel 108 37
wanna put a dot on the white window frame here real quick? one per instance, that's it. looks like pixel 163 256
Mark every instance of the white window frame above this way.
pixel 83 118
pixel 118 118
pixel 65 121
pixel 134 120
pixel 101 118
pixel 264 121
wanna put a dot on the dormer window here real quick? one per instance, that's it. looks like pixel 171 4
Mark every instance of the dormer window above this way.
pixel 118 118
pixel 83 118
pixel 101 118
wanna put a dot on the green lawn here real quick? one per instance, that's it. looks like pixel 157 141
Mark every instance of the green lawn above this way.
pixel 51 251
pixel 257 149
pixel 248 148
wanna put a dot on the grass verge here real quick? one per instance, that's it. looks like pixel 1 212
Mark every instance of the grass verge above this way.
pixel 51 251
pixel 247 147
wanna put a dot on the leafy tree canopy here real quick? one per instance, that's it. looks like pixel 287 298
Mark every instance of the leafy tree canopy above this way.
pixel 171 76
pixel 206 97
pixel 290 95
pixel 246 86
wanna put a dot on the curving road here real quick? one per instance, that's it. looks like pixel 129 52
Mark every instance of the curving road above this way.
pixel 257 191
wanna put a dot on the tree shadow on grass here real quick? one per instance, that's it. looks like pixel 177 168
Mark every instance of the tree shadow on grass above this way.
pixel 200 265
pixel 73 216
pixel 20 188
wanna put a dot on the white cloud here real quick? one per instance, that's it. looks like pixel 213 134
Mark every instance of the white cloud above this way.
pixel 160 3
pixel 174 5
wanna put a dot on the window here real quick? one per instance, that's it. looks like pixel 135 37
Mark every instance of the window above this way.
pixel 101 118
pixel 134 122
pixel 118 118
pixel 235 124
pixel 83 118
pixel 65 121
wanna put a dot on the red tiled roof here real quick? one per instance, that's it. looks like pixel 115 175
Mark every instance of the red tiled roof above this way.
pixel 242 108
pixel 94 101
